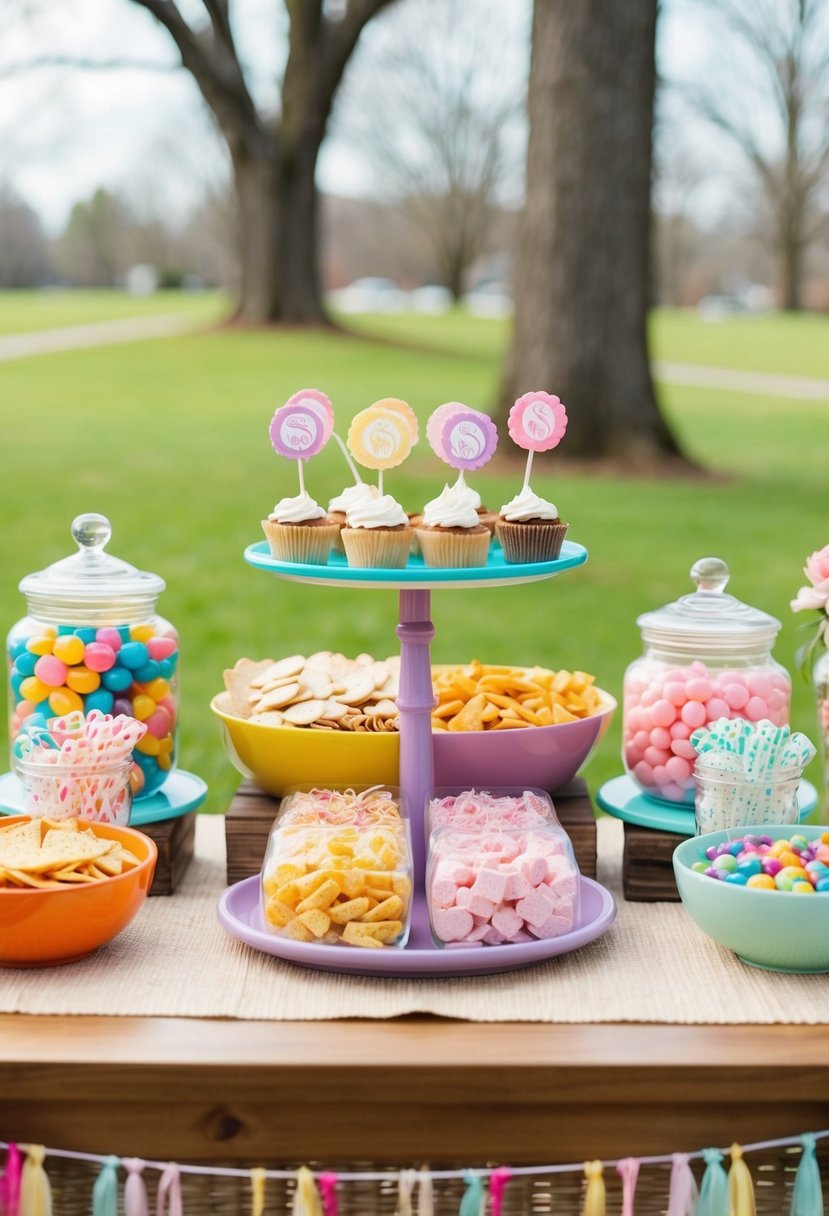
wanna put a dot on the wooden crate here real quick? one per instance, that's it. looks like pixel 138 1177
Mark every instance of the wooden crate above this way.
pixel 251 813
pixel 175 839
pixel 647 869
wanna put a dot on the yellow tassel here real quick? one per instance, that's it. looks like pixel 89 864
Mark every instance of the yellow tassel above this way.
pixel 306 1197
pixel 594 1199
pixel 35 1192
pixel 740 1186
pixel 257 1184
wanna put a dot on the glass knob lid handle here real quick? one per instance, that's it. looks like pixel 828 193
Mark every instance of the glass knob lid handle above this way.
pixel 711 574
pixel 91 533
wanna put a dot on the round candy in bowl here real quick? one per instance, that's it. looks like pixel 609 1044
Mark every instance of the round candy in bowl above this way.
pixel 68 888
pixel 768 927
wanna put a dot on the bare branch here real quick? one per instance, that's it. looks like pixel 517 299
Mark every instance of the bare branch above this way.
pixel 216 70
pixel 81 63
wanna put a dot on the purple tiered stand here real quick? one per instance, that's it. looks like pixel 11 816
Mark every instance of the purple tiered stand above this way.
pixel 239 907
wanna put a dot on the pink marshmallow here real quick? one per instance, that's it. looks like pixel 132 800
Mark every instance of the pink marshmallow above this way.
pixel 534 908
pixel 479 906
pixel 493 938
pixel 463 897
pixel 554 926
pixel 516 888
pixel 451 924
pixel 444 893
pixel 506 920
pixel 490 885
pixel 534 870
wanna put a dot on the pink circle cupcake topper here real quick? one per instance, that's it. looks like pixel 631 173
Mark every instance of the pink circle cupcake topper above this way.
pixel 297 432
pixel 537 422
pixel 434 426
pixel 468 439
pixel 318 403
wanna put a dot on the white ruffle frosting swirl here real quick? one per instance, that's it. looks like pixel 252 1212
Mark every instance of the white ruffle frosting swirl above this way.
pixel 297 510
pixel 453 508
pixel 527 505
pixel 353 496
pixel 381 512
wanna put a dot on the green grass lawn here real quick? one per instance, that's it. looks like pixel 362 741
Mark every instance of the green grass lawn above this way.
pixel 25 311
pixel 168 438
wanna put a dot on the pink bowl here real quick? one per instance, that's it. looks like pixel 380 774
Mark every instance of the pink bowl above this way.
pixel 544 756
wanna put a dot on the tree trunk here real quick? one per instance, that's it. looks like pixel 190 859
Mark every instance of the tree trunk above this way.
pixel 791 269
pixel 583 267
pixel 278 216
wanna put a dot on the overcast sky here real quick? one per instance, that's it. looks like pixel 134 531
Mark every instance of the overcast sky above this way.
pixel 64 132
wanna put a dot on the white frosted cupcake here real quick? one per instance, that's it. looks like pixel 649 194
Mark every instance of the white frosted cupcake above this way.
pixel 450 532
pixel 300 530
pixel 339 506
pixel 529 529
pixel 377 534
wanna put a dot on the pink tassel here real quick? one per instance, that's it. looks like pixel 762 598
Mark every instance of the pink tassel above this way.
pixel 628 1171
pixel 498 1180
pixel 136 1202
pixel 10 1183
pixel 328 1193
pixel 682 1198
pixel 169 1189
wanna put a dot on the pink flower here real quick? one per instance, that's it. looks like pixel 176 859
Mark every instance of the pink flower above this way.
pixel 811 598
pixel 817 568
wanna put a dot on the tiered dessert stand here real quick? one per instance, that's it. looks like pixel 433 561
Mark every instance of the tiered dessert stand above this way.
pixel 239 907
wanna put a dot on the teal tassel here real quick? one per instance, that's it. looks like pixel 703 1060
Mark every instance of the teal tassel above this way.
pixel 713 1193
pixel 807 1195
pixel 105 1191
pixel 473 1197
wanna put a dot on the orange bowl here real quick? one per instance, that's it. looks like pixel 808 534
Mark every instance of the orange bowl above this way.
pixel 40 928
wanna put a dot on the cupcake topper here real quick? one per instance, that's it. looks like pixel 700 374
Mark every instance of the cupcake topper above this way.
pixel 537 423
pixel 467 440
pixel 380 438
pixel 301 428
pixel 404 410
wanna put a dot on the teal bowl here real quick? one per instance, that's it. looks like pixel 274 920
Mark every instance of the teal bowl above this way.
pixel 775 930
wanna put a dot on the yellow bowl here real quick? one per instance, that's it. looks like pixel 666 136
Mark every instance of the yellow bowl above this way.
pixel 276 757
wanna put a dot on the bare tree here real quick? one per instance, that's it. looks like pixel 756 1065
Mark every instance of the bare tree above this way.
pixel 775 113
pixel 24 255
pixel 447 137
pixel 583 273
pixel 273 157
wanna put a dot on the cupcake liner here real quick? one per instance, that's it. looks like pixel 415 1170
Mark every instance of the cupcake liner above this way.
pixel 454 546
pixel 488 519
pixel 377 548
pixel 339 519
pixel 536 541
pixel 307 543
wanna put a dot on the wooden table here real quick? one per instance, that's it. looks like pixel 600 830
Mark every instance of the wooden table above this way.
pixel 414 1089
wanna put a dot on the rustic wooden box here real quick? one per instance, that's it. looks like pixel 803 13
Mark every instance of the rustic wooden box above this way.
pixel 251 813
pixel 175 839
pixel 647 871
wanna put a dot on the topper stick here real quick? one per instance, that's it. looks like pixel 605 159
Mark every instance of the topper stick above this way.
pixel 380 481
pixel 528 470
pixel 301 478
pixel 358 481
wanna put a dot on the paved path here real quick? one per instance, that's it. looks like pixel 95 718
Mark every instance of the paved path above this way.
pixel 101 333
pixel 809 388
pixel 137 329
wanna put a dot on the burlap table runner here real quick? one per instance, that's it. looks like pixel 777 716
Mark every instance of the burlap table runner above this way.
pixel 175 960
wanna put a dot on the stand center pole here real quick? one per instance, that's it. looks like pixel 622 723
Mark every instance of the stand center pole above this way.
pixel 415 703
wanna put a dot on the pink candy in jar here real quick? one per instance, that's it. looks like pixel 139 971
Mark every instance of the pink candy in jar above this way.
pixel 707 656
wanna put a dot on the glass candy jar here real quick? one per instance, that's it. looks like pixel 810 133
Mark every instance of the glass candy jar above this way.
pixel 707 656
pixel 91 639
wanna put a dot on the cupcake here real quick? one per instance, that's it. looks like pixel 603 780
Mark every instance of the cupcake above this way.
pixel 339 506
pixel 450 532
pixel 377 534
pixel 299 530
pixel 529 529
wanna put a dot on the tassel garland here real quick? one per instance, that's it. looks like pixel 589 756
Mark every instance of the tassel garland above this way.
pixel 740 1186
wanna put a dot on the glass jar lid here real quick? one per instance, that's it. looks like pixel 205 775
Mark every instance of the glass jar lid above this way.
pixel 709 618
pixel 91 586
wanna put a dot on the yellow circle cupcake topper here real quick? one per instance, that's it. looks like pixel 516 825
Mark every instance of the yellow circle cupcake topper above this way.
pixel 404 410
pixel 380 438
